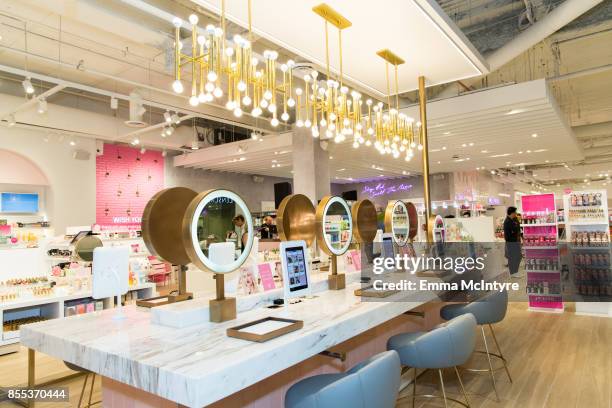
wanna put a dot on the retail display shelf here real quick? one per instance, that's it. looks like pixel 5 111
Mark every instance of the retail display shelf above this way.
pixel 543 224
pixel 52 307
pixel 536 271
pixel 593 222
pixel 540 247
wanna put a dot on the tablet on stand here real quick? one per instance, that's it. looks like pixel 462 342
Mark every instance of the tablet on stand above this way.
pixel 296 269
pixel 110 272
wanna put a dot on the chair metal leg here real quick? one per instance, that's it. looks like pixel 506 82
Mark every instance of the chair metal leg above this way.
pixel 93 380
pixel 500 352
pixel 484 337
pixel 83 390
pixel 414 388
pixel 443 390
pixel 462 387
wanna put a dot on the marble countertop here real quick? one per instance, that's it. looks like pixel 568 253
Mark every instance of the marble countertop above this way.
pixel 199 364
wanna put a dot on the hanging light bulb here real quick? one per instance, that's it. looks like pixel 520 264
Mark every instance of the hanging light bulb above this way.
pixel 177 86
pixel 167 117
pixel 274 122
pixel 237 112
pixel 194 101
pixel 285 116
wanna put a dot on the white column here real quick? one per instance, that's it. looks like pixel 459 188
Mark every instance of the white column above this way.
pixel 310 166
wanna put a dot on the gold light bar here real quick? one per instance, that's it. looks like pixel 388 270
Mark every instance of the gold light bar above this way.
pixel 332 16
pixel 390 57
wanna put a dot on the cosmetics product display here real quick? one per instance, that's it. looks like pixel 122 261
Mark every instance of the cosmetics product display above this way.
pixel 539 240
pixel 13 325
pixel 538 217
pixel 585 199
pixel 589 239
pixel 586 214
pixel 543 288
pixel 542 261
pixel 542 264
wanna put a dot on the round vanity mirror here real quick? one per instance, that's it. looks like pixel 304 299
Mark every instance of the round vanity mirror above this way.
pixel 397 222
pixel 364 216
pixel 84 248
pixel 162 224
pixel 334 225
pixel 296 219
pixel 218 231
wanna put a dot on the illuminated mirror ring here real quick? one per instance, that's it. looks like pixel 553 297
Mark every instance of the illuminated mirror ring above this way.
pixel 190 225
pixel 322 212
pixel 397 221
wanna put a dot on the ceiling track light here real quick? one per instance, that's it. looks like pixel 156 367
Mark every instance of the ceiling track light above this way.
pixel 27 86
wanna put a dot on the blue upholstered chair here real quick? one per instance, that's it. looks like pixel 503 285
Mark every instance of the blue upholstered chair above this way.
pixel 487 310
pixel 448 345
pixel 372 383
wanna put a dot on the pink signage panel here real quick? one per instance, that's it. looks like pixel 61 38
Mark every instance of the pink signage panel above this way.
pixel 125 181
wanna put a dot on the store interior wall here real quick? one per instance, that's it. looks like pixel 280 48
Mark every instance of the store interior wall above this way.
pixel 253 190
pixel 395 189
pixel 70 198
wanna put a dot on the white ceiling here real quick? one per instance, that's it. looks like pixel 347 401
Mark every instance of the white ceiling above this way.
pixel 498 140
pixel 416 30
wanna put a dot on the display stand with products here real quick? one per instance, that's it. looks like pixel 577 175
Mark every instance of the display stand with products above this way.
pixel 539 216
pixel 588 236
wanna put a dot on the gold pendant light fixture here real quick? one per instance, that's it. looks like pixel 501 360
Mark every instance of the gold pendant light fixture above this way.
pixel 220 68
pixel 328 103
pixel 394 131
pixel 217 64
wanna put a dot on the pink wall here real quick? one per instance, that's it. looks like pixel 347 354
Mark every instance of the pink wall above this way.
pixel 16 169
pixel 125 181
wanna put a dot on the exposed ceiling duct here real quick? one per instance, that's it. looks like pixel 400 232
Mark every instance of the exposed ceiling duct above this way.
pixel 556 19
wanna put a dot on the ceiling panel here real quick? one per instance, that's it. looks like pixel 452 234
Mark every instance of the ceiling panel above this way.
pixel 483 130
pixel 416 30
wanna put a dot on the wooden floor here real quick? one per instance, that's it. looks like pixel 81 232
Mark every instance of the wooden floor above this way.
pixel 556 361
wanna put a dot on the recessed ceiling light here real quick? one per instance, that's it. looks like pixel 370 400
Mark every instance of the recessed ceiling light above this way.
pixel 501 155
pixel 438 161
pixel 484 151
pixel 534 135
pixel 520 152
pixel 464 145
pixel 443 147
pixel 514 111
pixel 446 133
pixel 471 143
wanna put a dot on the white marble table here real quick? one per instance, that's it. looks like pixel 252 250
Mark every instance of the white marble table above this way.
pixel 198 365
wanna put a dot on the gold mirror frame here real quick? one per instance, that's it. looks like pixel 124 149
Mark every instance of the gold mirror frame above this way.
pixel 389 222
pixel 296 219
pixel 413 218
pixel 364 221
pixel 84 248
pixel 162 224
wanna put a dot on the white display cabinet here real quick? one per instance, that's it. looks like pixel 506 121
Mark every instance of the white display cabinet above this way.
pixel 588 237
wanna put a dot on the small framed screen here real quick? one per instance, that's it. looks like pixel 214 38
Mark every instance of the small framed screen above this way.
pixel 19 203
pixel 296 268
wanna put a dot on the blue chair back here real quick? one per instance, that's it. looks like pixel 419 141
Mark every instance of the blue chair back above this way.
pixel 372 383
